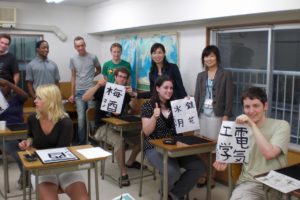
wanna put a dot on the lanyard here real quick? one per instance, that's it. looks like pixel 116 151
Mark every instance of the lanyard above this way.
pixel 209 88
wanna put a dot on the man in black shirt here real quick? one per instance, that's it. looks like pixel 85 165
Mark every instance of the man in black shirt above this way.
pixel 9 69
pixel 113 137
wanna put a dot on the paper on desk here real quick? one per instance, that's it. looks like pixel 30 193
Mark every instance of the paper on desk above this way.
pixel 94 152
pixel 280 182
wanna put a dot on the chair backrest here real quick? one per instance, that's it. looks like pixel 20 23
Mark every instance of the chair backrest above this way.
pixel 136 105
pixel 90 118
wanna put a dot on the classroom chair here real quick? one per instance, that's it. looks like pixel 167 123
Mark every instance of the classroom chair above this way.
pixel 90 119
pixel 142 169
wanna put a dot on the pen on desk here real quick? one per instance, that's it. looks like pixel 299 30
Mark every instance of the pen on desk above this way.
pixel 28 152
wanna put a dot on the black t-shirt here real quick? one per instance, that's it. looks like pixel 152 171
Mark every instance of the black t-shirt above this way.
pixel 164 127
pixel 98 96
pixel 60 136
pixel 8 66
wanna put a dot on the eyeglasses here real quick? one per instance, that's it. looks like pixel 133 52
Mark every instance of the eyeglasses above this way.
pixel 120 76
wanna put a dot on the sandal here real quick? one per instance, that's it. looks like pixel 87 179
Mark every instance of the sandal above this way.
pixel 202 181
pixel 124 180
pixel 136 165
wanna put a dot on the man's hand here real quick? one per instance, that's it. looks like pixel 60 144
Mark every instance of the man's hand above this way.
pixel 3 82
pixel 101 83
pixel 71 99
pixel 219 166
pixel 244 119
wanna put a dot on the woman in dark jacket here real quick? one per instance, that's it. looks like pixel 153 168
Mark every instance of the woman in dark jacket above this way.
pixel 160 66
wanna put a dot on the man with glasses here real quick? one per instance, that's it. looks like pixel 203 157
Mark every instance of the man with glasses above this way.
pixel 121 76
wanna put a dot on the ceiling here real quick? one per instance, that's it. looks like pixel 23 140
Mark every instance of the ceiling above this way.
pixel 81 3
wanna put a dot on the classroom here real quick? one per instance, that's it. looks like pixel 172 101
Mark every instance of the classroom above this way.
pixel 258 42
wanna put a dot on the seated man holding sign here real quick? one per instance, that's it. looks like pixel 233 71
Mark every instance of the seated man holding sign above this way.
pixel 106 106
pixel 158 122
pixel 268 149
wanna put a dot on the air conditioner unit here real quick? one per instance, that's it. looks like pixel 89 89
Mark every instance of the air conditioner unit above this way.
pixel 7 17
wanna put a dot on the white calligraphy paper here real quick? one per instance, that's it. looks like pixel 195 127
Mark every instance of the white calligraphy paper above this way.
pixel 3 103
pixel 233 143
pixel 185 115
pixel 113 98
pixel 94 152
pixel 280 182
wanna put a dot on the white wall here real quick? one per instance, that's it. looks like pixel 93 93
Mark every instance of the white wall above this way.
pixel 126 14
pixel 112 18
pixel 69 19
pixel 115 17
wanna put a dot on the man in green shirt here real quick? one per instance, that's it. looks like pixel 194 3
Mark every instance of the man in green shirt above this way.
pixel 268 150
pixel 116 62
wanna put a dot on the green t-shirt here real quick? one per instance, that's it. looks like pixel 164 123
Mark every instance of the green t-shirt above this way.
pixel 109 68
pixel 277 132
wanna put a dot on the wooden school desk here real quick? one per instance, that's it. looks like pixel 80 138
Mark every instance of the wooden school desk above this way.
pixel 6 135
pixel 291 171
pixel 120 126
pixel 174 151
pixel 38 168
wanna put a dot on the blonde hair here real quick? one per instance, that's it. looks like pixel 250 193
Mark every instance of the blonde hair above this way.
pixel 51 97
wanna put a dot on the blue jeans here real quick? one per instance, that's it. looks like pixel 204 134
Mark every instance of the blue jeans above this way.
pixel 81 107
pixel 12 148
pixel 178 184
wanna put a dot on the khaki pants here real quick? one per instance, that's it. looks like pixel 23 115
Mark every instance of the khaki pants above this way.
pixel 253 191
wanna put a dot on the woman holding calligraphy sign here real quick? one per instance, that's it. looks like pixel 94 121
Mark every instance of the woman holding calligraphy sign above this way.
pixel 51 127
pixel 158 122
pixel 213 96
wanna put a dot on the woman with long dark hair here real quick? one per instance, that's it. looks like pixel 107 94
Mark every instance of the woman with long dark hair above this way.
pixel 160 66
pixel 158 122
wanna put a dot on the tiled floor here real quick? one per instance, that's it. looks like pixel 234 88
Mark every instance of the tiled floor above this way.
pixel 109 189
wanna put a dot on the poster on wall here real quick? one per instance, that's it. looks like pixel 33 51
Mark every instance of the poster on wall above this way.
pixel 136 50
pixel 129 54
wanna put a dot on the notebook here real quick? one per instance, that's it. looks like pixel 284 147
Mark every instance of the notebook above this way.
pixel 17 127
pixel 129 118
pixel 190 139
pixel 55 155
pixel 292 171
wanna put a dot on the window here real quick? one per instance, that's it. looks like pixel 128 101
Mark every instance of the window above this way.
pixel 266 57
pixel 23 47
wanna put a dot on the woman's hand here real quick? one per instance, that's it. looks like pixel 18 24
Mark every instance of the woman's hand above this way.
pixel 25 144
pixel 156 111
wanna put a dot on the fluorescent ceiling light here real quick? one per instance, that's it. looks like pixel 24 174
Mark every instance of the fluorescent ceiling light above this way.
pixel 54 1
